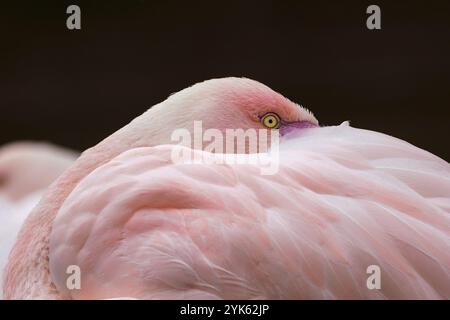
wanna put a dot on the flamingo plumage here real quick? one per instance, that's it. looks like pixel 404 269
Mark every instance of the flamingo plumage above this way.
pixel 140 225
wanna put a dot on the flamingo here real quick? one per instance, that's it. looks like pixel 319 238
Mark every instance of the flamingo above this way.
pixel 26 169
pixel 139 225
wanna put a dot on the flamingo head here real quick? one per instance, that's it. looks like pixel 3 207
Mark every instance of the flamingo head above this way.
pixel 227 103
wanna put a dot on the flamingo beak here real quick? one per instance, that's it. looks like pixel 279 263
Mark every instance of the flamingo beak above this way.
pixel 289 127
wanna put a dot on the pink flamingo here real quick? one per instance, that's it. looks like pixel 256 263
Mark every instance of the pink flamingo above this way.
pixel 140 225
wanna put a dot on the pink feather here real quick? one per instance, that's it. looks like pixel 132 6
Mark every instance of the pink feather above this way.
pixel 344 198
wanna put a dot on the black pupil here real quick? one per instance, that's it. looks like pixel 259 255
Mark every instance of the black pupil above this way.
pixel 270 120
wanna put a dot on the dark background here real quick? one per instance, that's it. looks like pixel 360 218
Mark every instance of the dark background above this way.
pixel 76 87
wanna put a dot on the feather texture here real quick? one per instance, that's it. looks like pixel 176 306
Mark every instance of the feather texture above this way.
pixel 142 226
pixel 12 215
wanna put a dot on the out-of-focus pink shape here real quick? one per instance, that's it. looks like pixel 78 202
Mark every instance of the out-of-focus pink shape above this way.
pixel 26 169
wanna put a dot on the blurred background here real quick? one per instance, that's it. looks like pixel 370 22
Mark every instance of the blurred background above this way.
pixel 74 88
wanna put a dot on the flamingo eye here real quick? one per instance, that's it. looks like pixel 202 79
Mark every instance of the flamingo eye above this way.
pixel 271 120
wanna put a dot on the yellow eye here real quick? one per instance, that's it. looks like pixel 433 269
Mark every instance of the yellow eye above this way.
pixel 271 120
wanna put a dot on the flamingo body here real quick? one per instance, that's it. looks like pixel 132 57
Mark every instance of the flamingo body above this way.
pixel 142 226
